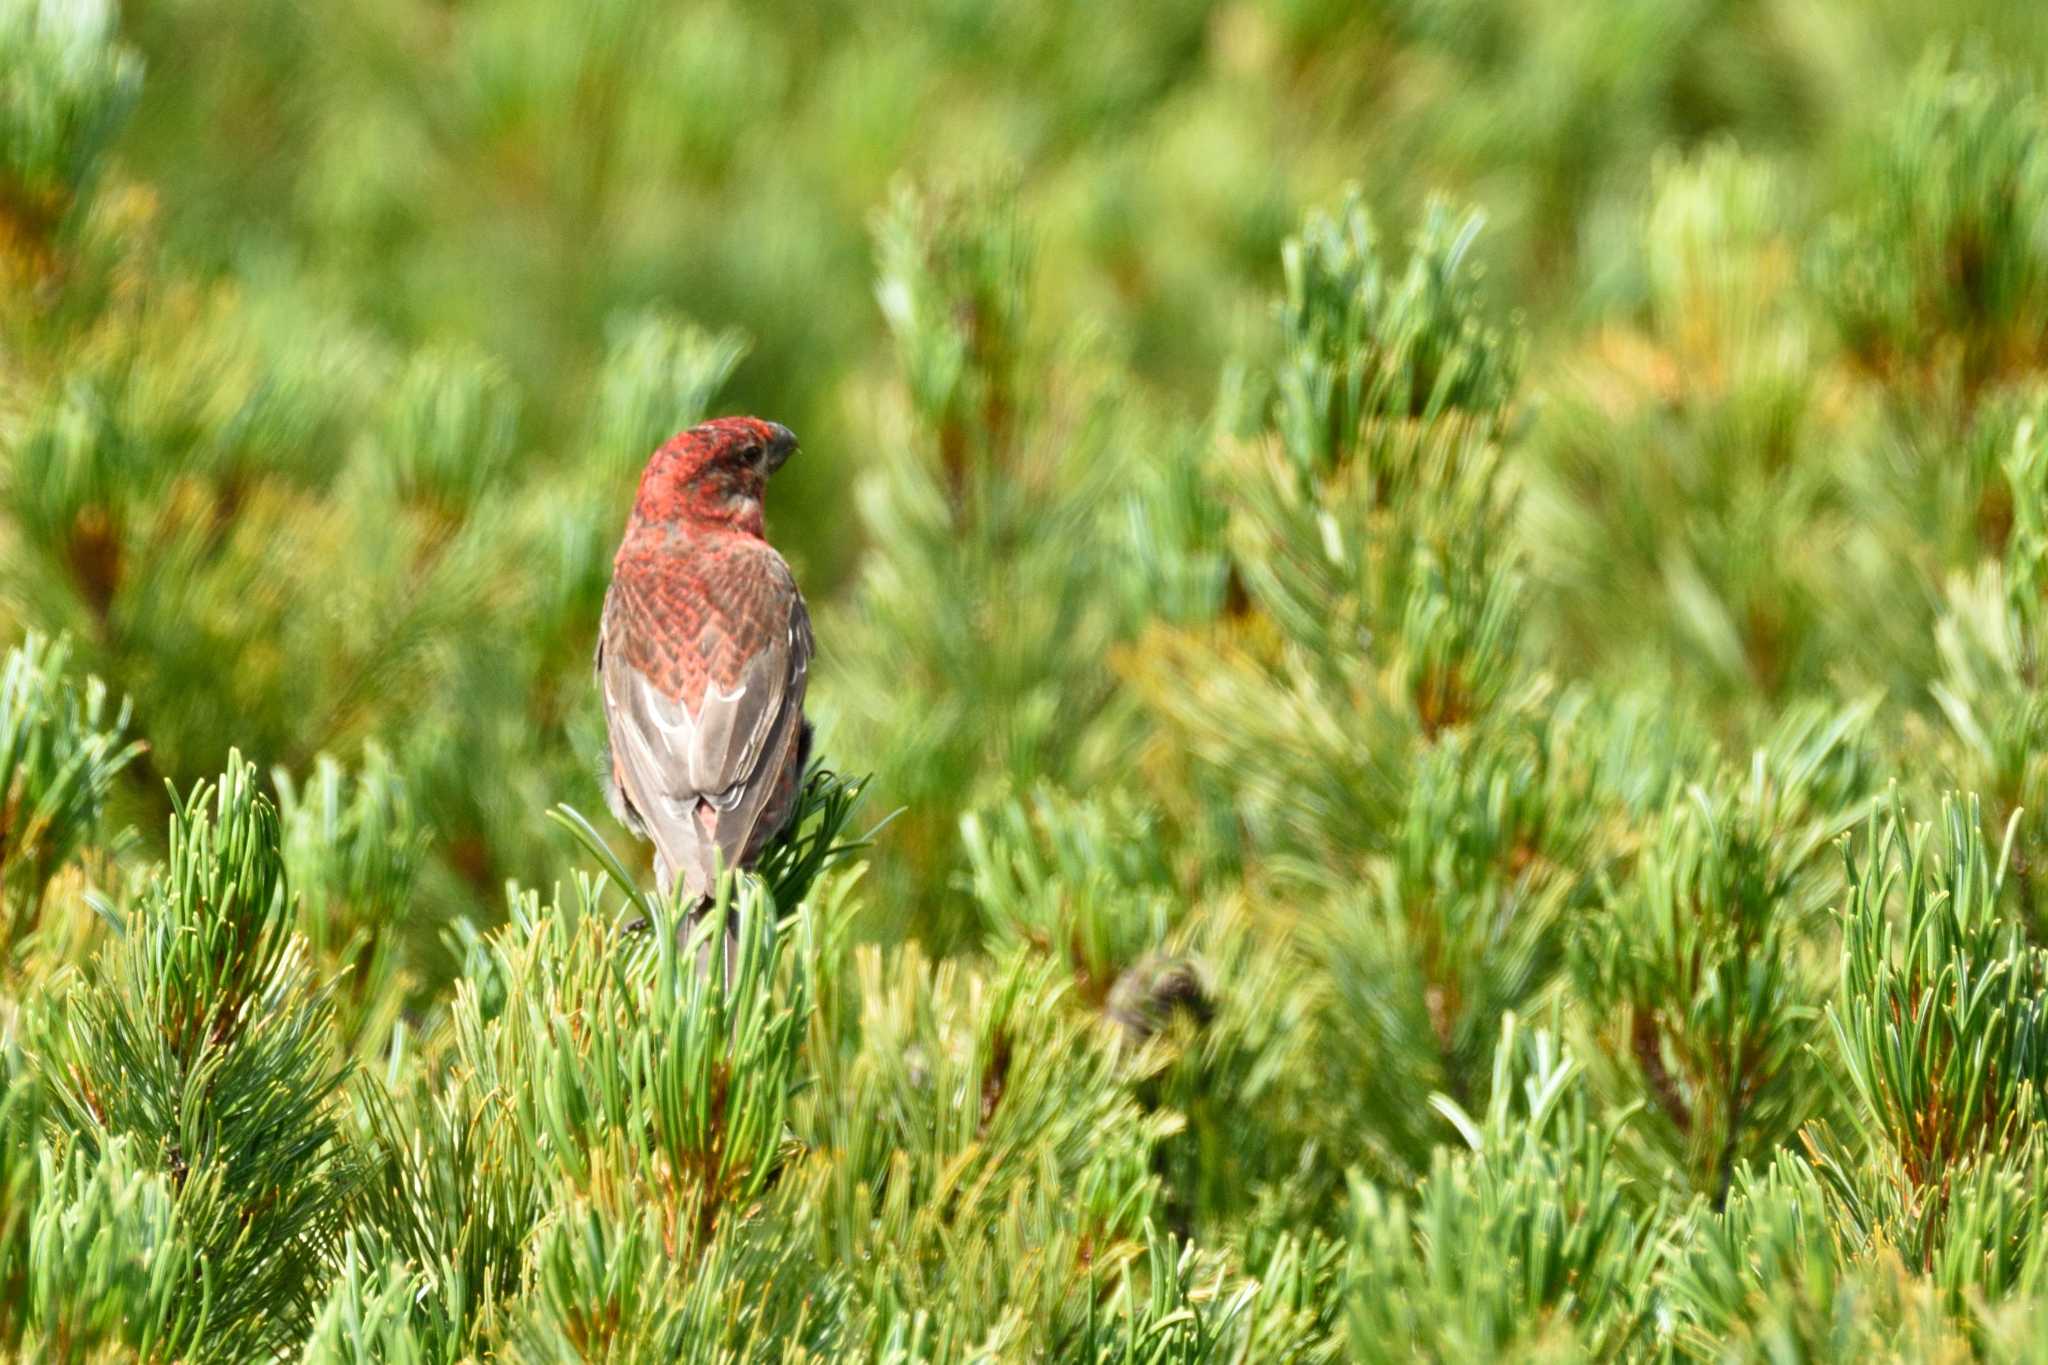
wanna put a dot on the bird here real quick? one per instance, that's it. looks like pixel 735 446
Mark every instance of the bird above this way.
pixel 703 654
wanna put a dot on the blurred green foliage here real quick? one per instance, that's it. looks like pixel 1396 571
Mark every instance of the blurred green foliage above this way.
pixel 1431 630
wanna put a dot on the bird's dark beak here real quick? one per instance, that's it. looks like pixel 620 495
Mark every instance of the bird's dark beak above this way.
pixel 781 445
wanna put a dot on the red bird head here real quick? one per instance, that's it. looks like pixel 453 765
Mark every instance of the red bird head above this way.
pixel 714 472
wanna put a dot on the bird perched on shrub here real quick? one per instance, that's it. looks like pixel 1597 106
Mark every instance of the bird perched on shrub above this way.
pixel 702 655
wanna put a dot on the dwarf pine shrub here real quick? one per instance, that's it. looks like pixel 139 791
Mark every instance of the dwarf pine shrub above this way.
pixel 1429 700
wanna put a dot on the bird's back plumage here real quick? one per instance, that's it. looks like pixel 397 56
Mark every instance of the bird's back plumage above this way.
pixel 703 655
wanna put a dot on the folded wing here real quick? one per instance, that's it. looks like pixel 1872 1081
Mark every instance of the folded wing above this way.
pixel 706 782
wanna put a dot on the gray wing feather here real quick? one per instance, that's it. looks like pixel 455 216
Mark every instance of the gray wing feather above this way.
pixel 701 783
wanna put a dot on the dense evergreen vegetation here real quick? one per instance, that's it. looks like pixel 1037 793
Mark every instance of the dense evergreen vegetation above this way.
pixel 1432 619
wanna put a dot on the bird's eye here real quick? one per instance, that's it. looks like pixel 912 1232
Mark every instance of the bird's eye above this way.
pixel 752 454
